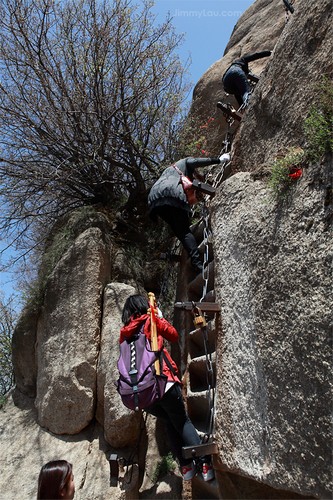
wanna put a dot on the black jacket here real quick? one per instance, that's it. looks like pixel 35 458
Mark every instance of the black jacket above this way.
pixel 243 62
pixel 168 189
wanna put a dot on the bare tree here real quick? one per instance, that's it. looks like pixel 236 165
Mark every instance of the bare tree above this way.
pixel 90 100
pixel 7 322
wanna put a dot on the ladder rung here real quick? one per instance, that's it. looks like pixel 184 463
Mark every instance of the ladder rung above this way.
pixel 172 257
pixel 200 450
pixel 204 306
pixel 203 187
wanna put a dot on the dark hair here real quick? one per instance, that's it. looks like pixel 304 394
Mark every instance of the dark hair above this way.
pixel 135 305
pixel 53 478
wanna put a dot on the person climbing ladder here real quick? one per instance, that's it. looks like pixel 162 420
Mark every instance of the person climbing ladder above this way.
pixel 170 407
pixel 167 199
pixel 235 79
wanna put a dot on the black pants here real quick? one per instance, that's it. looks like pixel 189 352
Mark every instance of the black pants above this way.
pixel 235 82
pixel 179 221
pixel 179 427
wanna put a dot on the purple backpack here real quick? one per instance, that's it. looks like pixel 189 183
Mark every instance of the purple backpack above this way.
pixel 138 384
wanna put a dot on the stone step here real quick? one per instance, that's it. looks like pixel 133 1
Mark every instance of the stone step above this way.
pixel 206 489
pixel 199 377
pixel 200 450
pixel 198 409
pixel 197 338
pixel 195 287
pixel 204 306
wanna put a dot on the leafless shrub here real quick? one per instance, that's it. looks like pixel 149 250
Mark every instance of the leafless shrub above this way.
pixel 90 100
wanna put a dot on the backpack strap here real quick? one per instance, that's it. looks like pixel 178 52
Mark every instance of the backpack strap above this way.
pixel 178 170
pixel 133 373
pixel 167 361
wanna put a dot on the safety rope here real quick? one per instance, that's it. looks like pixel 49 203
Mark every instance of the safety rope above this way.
pixel 220 175
pixel 226 144
pixel 206 235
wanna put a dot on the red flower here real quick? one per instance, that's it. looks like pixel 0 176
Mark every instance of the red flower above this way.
pixel 205 125
pixel 295 173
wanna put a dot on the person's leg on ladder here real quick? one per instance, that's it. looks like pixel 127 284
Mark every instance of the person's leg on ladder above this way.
pixel 181 431
pixel 179 221
pixel 242 87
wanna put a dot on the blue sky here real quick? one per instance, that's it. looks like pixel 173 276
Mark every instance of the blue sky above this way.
pixel 207 26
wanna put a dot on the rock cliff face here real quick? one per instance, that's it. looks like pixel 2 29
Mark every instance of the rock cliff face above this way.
pixel 285 93
pixel 272 279
pixel 68 336
pixel 258 29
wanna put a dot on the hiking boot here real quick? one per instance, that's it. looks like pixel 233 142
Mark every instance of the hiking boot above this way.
pixel 188 471
pixel 207 472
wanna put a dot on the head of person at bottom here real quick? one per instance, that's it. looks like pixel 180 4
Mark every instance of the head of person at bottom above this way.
pixel 56 481
pixel 135 306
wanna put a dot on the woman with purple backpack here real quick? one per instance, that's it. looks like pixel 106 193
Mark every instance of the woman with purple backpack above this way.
pixel 170 408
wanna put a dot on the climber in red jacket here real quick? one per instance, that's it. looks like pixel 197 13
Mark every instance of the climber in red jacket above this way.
pixel 235 79
pixel 170 408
